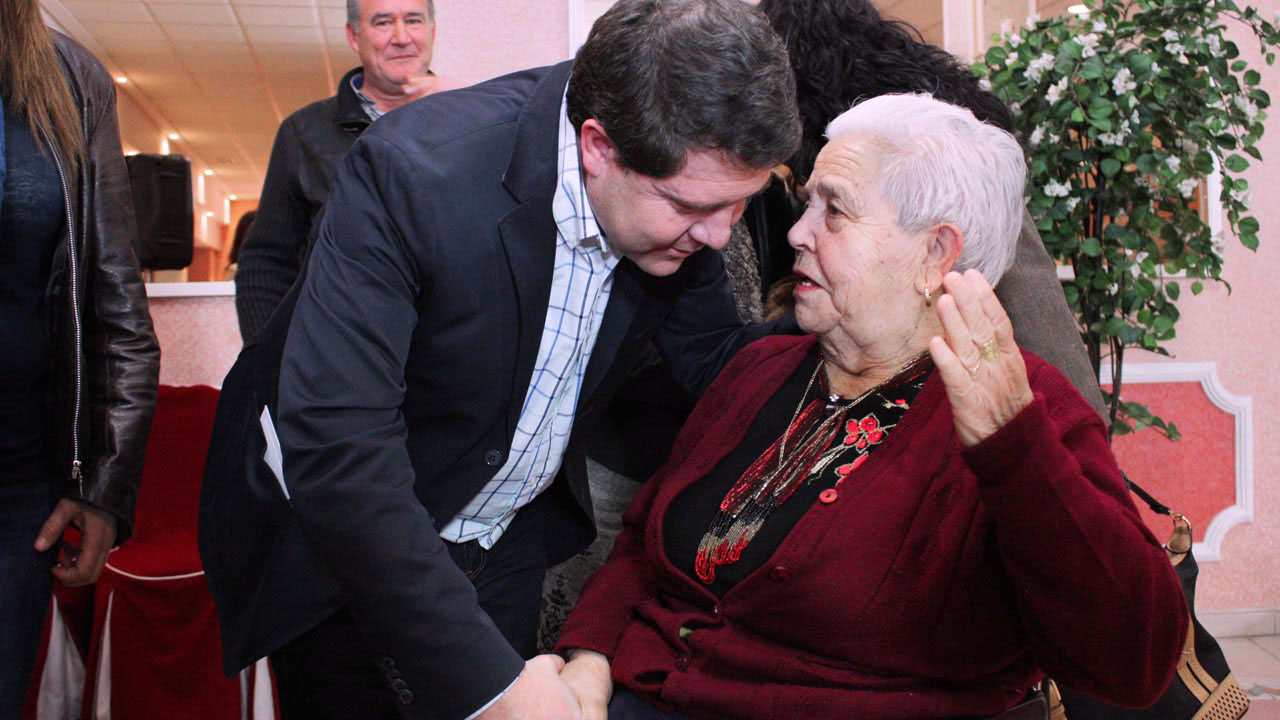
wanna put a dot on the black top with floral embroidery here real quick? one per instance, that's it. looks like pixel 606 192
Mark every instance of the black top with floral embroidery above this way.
pixel 866 425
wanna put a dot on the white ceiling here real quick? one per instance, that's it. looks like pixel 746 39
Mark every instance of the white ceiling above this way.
pixel 223 74
pixel 220 73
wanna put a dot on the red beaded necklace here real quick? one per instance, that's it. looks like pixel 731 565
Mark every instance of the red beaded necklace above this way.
pixel 774 476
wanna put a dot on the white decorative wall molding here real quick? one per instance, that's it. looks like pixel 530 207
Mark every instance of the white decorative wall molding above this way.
pixel 577 33
pixel 1241 408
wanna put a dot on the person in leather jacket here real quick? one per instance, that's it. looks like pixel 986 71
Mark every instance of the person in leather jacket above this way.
pixel 80 359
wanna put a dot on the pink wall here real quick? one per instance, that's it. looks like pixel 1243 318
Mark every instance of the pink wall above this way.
pixel 479 40
pixel 1240 332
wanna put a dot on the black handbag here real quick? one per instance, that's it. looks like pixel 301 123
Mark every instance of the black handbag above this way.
pixel 1204 687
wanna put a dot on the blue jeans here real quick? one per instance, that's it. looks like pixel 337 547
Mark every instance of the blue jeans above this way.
pixel 25 587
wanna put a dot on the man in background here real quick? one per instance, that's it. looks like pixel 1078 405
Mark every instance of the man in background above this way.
pixel 394 39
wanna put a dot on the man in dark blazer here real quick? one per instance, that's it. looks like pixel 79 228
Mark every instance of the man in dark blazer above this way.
pixel 489 263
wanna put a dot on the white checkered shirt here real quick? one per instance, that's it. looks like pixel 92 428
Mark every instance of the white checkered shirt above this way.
pixel 580 288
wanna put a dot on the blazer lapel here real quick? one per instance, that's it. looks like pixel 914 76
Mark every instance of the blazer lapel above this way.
pixel 624 300
pixel 529 232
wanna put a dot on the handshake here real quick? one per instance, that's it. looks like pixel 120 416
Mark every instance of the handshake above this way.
pixel 550 689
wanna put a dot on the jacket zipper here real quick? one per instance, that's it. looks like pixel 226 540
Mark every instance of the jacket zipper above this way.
pixel 76 477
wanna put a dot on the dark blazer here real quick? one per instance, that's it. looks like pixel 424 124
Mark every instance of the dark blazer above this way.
pixel 408 358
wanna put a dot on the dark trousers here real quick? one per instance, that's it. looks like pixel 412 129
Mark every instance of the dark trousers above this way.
pixel 25 586
pixel 329 673
pixel 626 706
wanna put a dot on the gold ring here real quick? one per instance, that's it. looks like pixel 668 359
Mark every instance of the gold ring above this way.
pixel 989 351
pixel 974 370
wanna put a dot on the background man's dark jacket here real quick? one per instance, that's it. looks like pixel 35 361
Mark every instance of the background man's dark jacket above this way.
pixel 308 147
pixel 406 365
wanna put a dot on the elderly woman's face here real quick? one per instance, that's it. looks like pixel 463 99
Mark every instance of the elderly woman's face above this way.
pixel 857 268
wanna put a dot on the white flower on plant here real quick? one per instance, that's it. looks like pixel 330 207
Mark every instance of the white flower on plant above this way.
pixel 1177 48
pixel 1244 198
pixel 1072 202
pixel 1275 17
pixel 1015 108
pixel 1111 138
pixel 984 84
pixel 1214 43
pixel 1015 40
pixel 1056 189
pixel 1155 68
pixel 1123 82
pixel 1247 107
pixel 1037 135
pixel 1056 90
pixel 1134 119
pixel 1188 187
pixel 1088 44
pixel 1032 19
pixel 1098 26
pixel 1036 68
pixel 1170 35
pixel 1174 162
pixel 1188 147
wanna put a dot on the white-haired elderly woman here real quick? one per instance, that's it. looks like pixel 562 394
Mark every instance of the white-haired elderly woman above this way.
pixel 900 514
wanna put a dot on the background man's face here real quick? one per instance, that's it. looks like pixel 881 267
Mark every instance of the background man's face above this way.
pixel 394 42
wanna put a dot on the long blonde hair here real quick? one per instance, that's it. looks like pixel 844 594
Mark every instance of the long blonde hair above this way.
pixel 32 81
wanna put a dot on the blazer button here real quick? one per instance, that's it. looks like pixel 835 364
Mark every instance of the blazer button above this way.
pixel 715 611
pixel 682 662
pixel 828 496
pixel 406 697
pixel 493 458
pixel 779 574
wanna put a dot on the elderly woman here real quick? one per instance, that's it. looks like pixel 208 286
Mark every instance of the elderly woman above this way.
pixel 900 515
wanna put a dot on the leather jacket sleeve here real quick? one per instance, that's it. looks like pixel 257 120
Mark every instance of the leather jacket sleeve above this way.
pixel 121 355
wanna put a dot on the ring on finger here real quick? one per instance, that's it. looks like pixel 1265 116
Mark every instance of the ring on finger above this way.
pixel 976 366
pixel 989 350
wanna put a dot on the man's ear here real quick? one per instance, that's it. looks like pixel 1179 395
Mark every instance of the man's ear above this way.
pixel 353 39
pixel 598 151
pixel 944 246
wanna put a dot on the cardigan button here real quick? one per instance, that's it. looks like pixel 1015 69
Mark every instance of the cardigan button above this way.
pixel 715 611
pixel 493 458
pixel 682 662
pixel 828 496
pixel 779 574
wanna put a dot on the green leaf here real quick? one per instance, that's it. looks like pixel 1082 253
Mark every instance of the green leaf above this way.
pixel 996 55
pixel 1102 124
pixel 1091 247
pixel 1077 115
pixel 1114 326
pixel 1236 163
pixel 1172 290
pixel 1072 294
pixel 1249 240
pixel 1252 77
pixel 1248 225
pixel 1197 287
pixel 1239 66
pixel 1091 69
pixel 1148 164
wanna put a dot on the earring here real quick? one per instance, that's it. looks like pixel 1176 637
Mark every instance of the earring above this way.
pixel 928 300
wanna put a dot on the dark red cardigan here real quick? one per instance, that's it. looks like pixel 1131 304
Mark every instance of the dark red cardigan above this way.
pixel 942 582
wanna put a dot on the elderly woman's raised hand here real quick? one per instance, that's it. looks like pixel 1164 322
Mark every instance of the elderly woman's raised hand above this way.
pixel 979 361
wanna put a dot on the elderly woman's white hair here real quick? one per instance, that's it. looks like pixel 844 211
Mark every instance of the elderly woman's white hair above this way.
pixel 940 164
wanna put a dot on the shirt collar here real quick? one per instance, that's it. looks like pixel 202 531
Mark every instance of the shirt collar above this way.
pixel 572 210
pixel 370 107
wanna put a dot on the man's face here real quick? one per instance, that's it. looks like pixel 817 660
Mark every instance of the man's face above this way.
pixel 657 223
pixel 394 42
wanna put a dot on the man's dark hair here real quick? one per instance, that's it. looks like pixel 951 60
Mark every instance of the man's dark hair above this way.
pixel 843 51
pixel 667 76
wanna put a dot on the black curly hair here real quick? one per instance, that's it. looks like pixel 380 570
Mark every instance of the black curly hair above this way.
pixel 844 51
